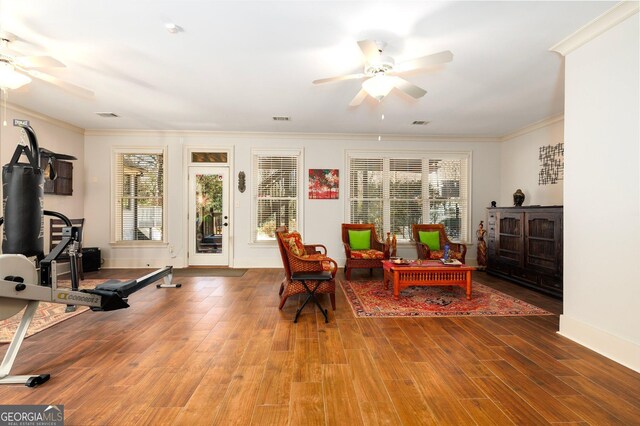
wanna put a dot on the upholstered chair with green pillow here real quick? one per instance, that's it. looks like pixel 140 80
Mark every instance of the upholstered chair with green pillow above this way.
pixel 430 240
pixel 362 247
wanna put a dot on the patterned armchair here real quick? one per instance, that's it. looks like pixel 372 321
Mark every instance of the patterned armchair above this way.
pixel 368 255
pixel 456 250
pixel 299 257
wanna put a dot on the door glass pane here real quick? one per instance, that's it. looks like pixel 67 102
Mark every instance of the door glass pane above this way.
pixel 209 219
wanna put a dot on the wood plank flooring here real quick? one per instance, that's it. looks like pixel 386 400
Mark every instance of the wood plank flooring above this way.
pixel 219 352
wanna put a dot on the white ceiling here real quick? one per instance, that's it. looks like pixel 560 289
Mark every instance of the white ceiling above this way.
pixel 238 63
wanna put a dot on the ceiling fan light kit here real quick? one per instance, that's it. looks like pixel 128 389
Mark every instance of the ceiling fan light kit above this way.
pixel 16 70
pixel 379 86
pixel 10 78
pixel 381 72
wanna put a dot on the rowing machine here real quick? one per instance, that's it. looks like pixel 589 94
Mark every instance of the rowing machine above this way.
pixel 20 287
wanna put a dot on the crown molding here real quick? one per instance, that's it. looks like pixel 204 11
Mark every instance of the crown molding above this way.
pixel 45 118
pixel 533 127
pixel 599 25
pixel 291 135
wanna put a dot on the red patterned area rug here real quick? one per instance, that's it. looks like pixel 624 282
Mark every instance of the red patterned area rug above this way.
pixel 370 299
pixel 47 314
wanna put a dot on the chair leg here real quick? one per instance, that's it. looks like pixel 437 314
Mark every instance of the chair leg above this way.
pixel 332 296
pixel 281 288
pixel 284 299
pixel 348 273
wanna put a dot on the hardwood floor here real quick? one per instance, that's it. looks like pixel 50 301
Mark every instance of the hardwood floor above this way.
pixel 218 351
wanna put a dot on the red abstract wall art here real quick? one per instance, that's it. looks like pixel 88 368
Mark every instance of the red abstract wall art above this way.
pixel 324 184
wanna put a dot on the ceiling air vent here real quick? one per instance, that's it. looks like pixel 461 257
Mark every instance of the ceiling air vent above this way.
pixel 107 114
pixel 281 118
pixel 420 123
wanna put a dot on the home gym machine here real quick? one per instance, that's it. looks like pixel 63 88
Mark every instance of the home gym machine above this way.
pixel 27 277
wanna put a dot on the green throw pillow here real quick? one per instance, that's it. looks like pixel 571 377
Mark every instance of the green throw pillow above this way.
pixel 360 240
pixel 430 238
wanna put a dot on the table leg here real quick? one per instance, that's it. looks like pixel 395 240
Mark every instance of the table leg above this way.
pixel 468 285
pixel 396 285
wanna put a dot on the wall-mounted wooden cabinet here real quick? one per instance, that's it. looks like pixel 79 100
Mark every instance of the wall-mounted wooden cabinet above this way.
pixel 525 246
pixel 63 184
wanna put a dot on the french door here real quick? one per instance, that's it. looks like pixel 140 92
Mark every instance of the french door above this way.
pixel 209 216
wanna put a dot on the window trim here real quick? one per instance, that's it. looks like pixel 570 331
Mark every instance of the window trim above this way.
pixel 114 242
pixel 300 198
pixel 411 154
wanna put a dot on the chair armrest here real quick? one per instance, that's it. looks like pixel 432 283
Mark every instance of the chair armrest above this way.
pixel 312 248
pixel 424 252
pixel 347 250
pixel 299 264
pixel 459 247
pixel 380 246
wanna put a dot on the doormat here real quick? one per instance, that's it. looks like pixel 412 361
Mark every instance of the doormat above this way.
pixel 370 299
pixel 208 272
pixel 47 314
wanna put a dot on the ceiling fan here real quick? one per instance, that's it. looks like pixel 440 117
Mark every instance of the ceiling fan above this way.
pixel 381 72
pixel 17 70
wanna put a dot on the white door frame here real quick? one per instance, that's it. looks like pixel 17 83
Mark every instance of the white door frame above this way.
pixel 187 163
pixel 209 259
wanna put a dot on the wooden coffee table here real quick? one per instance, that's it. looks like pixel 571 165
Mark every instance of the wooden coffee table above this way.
pixel 429 273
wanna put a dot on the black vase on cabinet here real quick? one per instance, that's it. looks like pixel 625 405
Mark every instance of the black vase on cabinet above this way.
pixel 518 198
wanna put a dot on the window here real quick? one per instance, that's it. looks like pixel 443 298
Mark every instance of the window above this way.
pixel 277 192
pixel 139 202
pixel 395 191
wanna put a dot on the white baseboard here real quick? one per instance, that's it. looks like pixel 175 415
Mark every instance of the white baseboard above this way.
pixel 613 347
pixel 257 263
pixel 141 263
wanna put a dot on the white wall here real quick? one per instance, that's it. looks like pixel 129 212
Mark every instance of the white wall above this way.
pixel 57 137
pixel 602 195
pixel 322 218
pixel 520 167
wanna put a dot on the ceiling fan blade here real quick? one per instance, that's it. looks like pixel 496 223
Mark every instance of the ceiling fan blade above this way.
pixel 357 100
pixel 369 50
pixel 340 78
pixel 72 88
pixel 409 88
pixel 425 61
pixel 38 62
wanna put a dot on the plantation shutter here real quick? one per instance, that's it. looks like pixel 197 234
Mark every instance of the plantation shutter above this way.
pixel 276 190
pixel 366 191
pixel 139 196
pixel 448 196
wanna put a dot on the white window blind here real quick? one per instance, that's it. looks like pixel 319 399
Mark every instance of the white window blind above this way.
pixel 394 192
pixel 276 193
pixel 405 195
pixel 448 196
pixel 367 192
pixel 139 196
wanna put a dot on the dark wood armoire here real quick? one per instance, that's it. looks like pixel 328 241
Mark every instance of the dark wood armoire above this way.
pixel 525 246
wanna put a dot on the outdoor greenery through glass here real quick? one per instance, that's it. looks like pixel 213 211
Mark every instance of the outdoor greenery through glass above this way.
pixel 209 220
pixel 139 196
